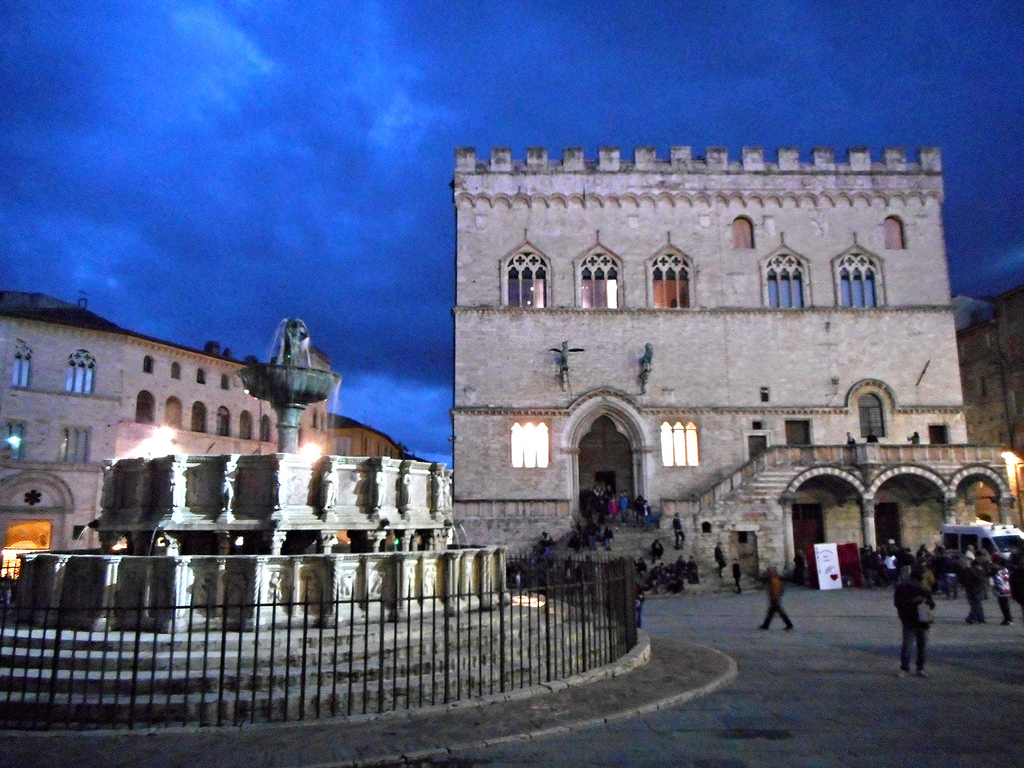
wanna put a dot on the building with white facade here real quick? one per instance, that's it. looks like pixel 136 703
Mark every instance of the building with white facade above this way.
pixel 710 333
pixel 78 390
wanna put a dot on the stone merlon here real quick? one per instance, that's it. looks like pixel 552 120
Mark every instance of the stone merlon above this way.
pixel 715 160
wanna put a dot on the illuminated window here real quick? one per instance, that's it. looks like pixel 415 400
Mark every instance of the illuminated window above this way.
pixel 857 275
pixel 245 425
pixel 599 282
pixel 74 444
pixel 78 377
pixel 172 412
pixel 147 364
pixel 265 429
pixel 529 445
pixel 22 365
pixel 23 536
pixel 223 422
pixel 679 445
pixel 145 408
pixel 527 276
pixel 742 233
pixel 893 229
pixel 670 282
pixel 784 281
pixel 175 370
pixel 198 417
pixel 14 439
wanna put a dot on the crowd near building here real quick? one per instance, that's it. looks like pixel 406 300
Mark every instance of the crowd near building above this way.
pixel 765 347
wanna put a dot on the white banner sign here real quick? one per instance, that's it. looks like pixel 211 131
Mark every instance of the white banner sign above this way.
pixel 827 558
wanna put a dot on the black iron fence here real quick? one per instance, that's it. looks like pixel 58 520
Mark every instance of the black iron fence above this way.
pixel 219 664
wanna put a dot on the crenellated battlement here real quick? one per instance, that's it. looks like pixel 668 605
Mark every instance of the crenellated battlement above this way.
pixel 682 160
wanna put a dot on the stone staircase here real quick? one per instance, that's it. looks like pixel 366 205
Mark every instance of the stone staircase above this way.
pixel 634 542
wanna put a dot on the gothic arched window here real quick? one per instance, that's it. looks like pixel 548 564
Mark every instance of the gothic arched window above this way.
pixel 172 412
pixel 893 229
pixel 857 277
pixel 147 364
pixel 679 445
pixel 872 418
pixel 223 421
pixel 670 282
pixel 529 445
pixel 784 281
pixel 145 408
pixel 527 278
pixel 80 372
pixel 198 417
pixel 200 376
pixel 20 372
pixel 245 425
pixel 175 370
pixel 742 233
pixel 599 281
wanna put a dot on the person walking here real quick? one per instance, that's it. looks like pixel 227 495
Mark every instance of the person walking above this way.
pixel 1001 586
pixel 677 529
pixel 736 574
pixel 775 601
pixel 910 597
pixel 719 559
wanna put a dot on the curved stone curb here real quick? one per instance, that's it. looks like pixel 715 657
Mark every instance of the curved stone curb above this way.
pixel 656 674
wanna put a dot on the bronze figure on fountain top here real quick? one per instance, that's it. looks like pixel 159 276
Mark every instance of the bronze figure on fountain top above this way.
pixel 290 383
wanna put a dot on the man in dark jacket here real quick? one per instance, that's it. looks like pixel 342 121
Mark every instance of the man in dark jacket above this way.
pixel 908 598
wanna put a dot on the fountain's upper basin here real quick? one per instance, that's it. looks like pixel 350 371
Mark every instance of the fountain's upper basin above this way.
pixel 288 384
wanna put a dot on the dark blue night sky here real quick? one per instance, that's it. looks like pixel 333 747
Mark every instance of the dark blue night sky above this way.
pixel 201 170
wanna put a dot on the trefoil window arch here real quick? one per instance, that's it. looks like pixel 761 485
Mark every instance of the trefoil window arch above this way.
pixel 529 445
pixel 22 368
pixel 858 280
pixel 526 277
pixel 670 282
pixel 599 282
pixel 785 278
pixel 679 445
pixel 78 377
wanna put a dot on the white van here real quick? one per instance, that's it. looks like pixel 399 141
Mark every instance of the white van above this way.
pixel 994 538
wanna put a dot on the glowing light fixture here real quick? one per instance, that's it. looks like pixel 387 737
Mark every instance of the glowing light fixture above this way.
pixel 310 451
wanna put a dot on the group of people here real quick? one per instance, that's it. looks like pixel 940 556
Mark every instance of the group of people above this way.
pixel 601 506
pixel 672 577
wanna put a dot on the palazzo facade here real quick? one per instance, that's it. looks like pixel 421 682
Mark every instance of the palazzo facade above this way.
pixel 712 333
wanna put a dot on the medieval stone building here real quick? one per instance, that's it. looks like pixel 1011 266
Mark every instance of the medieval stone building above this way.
pixel 711 334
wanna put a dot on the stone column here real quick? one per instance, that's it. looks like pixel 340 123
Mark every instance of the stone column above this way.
pixel 327 542
pixel 277 541
pixel 867 521
pixel 1006 507
pixel 949 510
pixel 788 545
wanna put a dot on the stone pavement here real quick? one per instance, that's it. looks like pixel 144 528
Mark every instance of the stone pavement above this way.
pixel 825 694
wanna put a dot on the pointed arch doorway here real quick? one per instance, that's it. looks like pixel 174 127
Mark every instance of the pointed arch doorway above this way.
pixel 606 458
